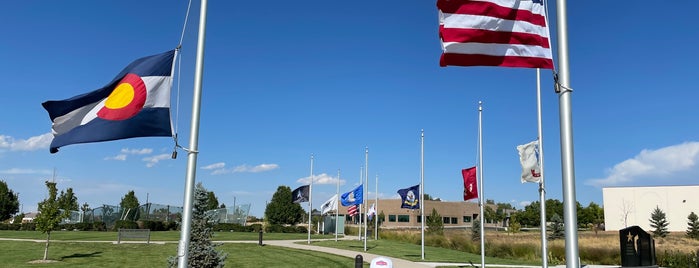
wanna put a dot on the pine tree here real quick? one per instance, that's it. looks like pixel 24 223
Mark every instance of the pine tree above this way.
pixel 693 226
pixel 434 223
pixel 476 230
pixel 202 252
pixel 557 231
pixel 659 223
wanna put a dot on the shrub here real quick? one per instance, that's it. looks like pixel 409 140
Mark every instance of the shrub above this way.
pixel 677 259
pixel 122 224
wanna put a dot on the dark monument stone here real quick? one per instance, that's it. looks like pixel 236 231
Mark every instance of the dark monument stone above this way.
pixel 637 248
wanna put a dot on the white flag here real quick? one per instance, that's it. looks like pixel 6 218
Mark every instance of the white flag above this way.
pixel 372 211
pixel 529 158
pixel 329 205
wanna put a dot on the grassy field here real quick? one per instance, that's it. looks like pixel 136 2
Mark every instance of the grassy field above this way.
pixel 409 251
pixel 95 254
pixel 79 249
pixel 173 236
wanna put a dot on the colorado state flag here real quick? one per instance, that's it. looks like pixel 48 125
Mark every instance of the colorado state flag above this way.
pixel 136 103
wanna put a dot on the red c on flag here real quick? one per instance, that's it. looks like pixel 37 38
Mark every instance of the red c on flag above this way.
pixel 126 100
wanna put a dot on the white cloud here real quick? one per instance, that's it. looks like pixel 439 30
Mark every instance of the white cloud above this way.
pixel 153 160
pixel 119 157
pixel 31 144
pixel 24 171
pixel 662 163
pixel 219 165
pixel 255 169
pixel 137 151
pixel 523 204
pixel 219 168
pixel 320 179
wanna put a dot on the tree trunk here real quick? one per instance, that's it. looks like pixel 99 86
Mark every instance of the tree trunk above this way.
pixel 46 249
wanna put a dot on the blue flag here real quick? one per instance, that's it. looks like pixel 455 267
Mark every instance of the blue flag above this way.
pixel 410 197
pixel 354 197
pixel 136 103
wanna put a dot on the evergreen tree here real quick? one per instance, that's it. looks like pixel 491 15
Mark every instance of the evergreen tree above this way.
pixel 557 230
pixel 693 226
pixel 49 216
pixel 434 223
pixel 659 223
pixel 476 230
pixel 9 202
pixel 201 252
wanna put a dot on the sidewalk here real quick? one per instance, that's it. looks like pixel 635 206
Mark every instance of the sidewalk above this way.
pixel 401 263
pixel 342 252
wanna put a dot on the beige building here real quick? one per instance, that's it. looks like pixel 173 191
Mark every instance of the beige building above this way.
pixel 629 206
pixel 454 214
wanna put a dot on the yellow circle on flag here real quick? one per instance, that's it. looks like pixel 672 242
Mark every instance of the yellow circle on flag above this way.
pixel 126 100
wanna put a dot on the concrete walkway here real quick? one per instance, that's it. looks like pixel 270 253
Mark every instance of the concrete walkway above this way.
pixel 342 252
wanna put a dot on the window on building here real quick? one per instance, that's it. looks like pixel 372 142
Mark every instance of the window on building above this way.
pixel 467 219
pixel 419 218
pixel 392 218
pixel 445 219
pixel 453 220
pixel 403 218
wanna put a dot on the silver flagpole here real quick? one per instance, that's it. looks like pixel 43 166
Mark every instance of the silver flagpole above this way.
pixel 480 181
pixel 566 129
pixel 422 194
pixel 359 206
pixel 337 208
pixel 376 210
pixel 310 202
pixel 366 190
pixel 542 192
pixel 183 248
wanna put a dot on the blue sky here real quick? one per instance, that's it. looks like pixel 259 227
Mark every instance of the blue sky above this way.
pixel 287 79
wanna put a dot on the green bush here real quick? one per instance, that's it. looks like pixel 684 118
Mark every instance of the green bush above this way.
pixel 121 224
pixel 677 259
pixel 30 226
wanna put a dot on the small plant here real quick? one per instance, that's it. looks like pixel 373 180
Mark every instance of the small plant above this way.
pixel 434 223
pixel 557 231
pixel 693 226
pixel 659 223
pixel 476 230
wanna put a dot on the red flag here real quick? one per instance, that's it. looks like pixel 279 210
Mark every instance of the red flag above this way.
pixel 470 183
pixel 504 33
pixel 352 210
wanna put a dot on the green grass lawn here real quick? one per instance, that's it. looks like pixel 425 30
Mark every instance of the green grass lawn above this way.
pixel 173 236
pixel 93 254
pixel 412 252
pixel 74 249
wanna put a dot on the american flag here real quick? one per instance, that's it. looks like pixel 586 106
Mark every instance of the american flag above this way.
pixel 352 210
pixel 509 33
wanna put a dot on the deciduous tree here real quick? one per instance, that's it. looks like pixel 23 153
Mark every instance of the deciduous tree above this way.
pixel 280 210
pixel 9 202
pixel 49 215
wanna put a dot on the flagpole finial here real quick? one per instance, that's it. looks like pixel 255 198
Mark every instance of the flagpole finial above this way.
pixel 480 106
